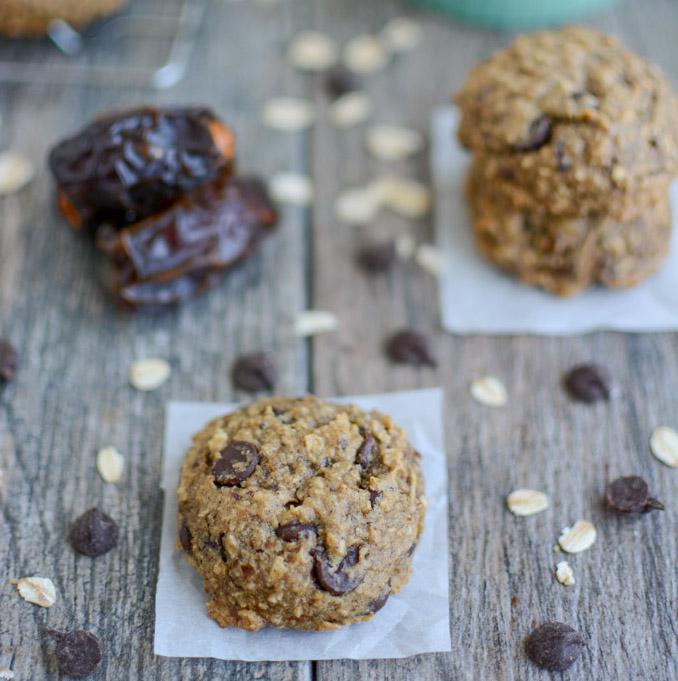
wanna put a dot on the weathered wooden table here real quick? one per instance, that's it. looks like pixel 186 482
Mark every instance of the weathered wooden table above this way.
pixel 71 395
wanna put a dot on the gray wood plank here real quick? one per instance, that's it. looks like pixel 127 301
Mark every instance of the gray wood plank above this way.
pixel 71 394
pixel 501 577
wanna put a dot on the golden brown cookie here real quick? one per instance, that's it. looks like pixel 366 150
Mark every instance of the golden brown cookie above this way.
pixel 30 18
pixel 568 122
pixel 299 513
pixel 565 255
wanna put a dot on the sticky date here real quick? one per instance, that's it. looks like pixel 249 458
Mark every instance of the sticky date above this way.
pixel 128 165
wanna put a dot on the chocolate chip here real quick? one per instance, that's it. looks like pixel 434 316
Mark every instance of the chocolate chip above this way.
pixel 378 257
pixel 185 538
pixel 410 347
pixel 236 463
pixel 412 549
pixel 375 495
pixel 93 533
pixel 78 652
pixel 339 82
pixel 8 360
pixel 538 134
pixel 292 531
pixel 379 602
pixel 588 383
pixel 630 494
pixel 254 373
pixel 554 646
pixel 367 450
pixel 336 581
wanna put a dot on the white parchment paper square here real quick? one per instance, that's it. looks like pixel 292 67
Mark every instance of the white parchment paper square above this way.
pixel 413 621
pixel 476 297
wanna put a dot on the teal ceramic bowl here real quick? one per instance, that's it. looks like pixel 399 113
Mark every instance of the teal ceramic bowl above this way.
pixel 515 14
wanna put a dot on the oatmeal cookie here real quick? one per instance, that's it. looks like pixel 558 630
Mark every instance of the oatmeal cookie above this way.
pixel 568 122
pixel 298 513
pixel 565 255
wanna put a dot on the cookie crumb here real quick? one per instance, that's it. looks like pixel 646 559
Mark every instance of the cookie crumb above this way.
pixel 564 573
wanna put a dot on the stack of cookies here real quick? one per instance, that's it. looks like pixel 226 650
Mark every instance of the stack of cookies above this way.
pixel 575 143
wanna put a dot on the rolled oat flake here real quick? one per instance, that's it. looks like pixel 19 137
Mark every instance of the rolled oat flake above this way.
pixel 554 646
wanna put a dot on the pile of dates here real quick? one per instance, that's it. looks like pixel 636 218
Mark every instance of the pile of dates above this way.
pixel 157 190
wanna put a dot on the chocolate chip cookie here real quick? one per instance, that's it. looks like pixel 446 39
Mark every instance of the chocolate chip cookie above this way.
pixel 299 513
pixel 563 254
pixel 569 122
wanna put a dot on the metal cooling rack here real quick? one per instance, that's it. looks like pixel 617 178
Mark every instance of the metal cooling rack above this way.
pixel 108 53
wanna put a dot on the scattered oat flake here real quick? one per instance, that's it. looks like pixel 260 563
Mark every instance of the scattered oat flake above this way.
pixel 149 374
pixel 312 322
pixel 6 673
pixel 405 245
pixel 564 573
pixel 664 445
pixel 429 258
pixel 110 464
pixel 489 391
pixel 16 171
pixel 359 206
pixel 288 113
pixel 401 34
pixel 392 142
pixel 408 198
pixel 527 502
pixel 38 590
pixel 350 109
pixel 292 188
pixel 578 538
pixel 313 51
pixel 365 54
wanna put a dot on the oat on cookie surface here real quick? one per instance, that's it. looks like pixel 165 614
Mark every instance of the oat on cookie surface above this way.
pixel 299 513
pixel 568 122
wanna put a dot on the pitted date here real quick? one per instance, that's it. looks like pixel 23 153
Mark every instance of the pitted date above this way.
pixel 126 166
pixel 178 253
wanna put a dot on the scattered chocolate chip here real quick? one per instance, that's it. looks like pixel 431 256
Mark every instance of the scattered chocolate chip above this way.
pixel 336 581
pixel 379 602
pixel 236 463
pixel 339 82
pixel 588 383
pixel 412 549
pixel 554 646
pixel 93 533
pixel 292 531
pixel 78 652
pixel 630 494
pixel 375 495
pixel 185 538
pixel 254 373
pixel 367 450
pixel 538 134
pixel 8 360
pixel 410 347
pixel 377 257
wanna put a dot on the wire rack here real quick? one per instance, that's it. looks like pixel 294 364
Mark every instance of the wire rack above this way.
pixel 148 45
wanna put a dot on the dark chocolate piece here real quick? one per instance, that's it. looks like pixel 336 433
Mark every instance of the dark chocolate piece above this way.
pixel 554 646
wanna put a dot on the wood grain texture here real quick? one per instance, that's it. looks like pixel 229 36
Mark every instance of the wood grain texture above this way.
pixel 71 395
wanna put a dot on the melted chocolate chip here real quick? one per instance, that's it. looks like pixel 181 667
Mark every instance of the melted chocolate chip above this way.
pixel 185 538
pixel 410 347
pixel 93 533
pixel 8 360
pixel 367 450
pixel 374 497
pixel 292 531
pixel 379 602
pixel 376 258
pixel 538 134
pixel 336 581
pixel 554 646
pixel 236 463
pixel 630 494
pixel 254 373
pixel 588 383
pixel 78 652
pixel 339 82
